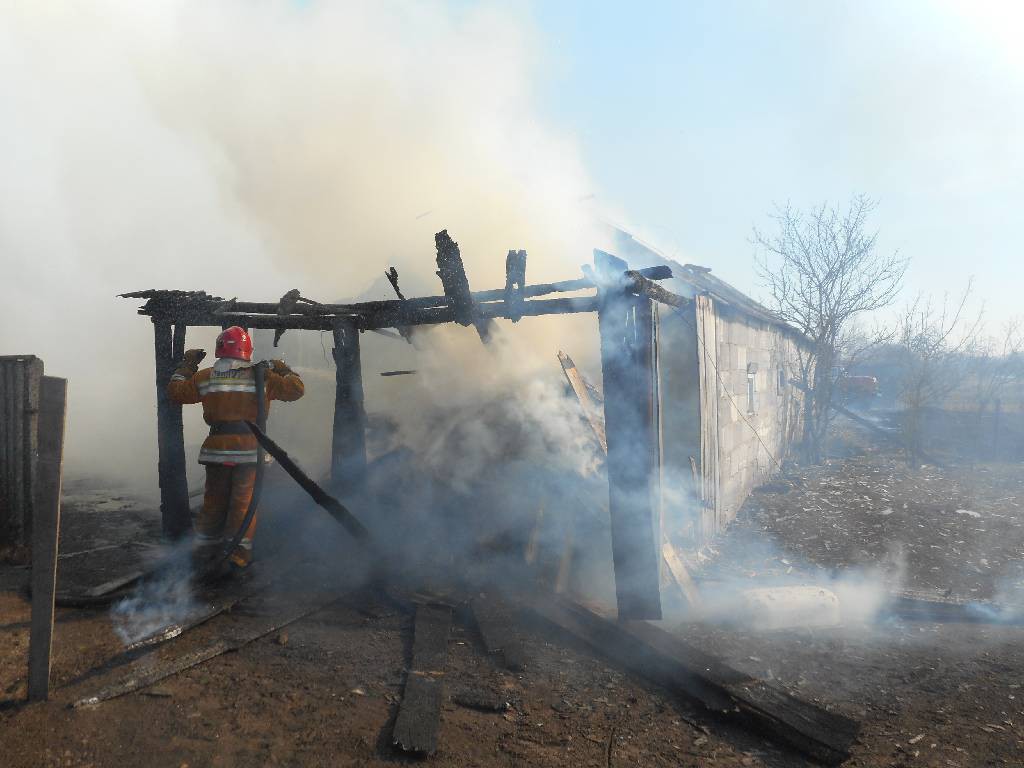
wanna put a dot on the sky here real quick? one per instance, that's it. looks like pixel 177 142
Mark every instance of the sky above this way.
pixel 694 119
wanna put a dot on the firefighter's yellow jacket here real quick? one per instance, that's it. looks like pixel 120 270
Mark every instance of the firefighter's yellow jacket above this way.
pixel 228 394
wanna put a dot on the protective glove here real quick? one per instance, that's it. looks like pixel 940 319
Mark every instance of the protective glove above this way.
pixel 280 367
pixel 190 362
pixel 194 356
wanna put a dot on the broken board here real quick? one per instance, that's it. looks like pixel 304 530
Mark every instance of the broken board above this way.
pixel 680 575
pixel 589 399
pixel 419 714
pixel 495 626
pixel 144 672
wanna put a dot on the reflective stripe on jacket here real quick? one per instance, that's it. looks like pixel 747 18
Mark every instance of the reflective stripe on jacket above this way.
pixel 229 394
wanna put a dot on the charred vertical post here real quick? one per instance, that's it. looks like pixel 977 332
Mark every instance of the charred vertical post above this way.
pixel 348 448
pixel 515 282
pixel 626 327
pixel 452 272
pixel 174 512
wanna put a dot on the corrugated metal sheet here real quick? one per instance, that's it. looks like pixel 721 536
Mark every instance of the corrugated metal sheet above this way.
pixel 20 376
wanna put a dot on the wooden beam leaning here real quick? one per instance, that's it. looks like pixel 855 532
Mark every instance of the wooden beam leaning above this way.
pixel 591 405
pixel 45 534
pixel 348 444
pixel 419 714
pixel 625 325
pixel 169 345
pixel 735 695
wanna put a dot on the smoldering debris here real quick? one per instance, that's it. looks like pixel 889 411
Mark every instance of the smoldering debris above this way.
pixel 936 545
pixel 163 598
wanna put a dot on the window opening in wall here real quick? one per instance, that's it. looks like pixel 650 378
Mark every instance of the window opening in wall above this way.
pixel 751 388
pixel 782 381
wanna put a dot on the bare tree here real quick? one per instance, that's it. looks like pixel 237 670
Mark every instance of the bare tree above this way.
pixel 822 271
pixel 996 363
pixel 935 342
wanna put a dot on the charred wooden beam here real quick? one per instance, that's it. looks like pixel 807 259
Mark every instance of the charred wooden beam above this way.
pixel 175 516
pixel 395 318
pixel 452 272
pixel 643 286
pixel 625 323
pixel 348 446
pixel 334 508
pixel 427 302
pixel 419 714
pixel 198 308
pixel 404 331
pixel 756 704
pixel 515 283
pixel 494 621
pixel 286 306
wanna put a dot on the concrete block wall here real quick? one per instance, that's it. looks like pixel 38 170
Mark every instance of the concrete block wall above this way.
pixel 750 442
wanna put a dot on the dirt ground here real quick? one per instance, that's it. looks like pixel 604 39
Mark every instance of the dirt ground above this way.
pixel 324 690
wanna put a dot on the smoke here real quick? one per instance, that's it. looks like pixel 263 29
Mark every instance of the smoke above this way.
pixel 247 148
pixel 160 600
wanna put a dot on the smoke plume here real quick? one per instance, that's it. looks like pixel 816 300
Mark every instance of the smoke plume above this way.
pixel 248 148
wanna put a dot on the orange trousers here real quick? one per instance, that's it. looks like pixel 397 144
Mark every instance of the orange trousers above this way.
pixel 228 493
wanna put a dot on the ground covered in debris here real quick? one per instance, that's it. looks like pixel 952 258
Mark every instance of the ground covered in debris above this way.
pixel 325 689
pixel 942 694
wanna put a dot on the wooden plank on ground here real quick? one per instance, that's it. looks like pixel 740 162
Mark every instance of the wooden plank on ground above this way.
pixel 143 675
pixel 45 533
pixel 144 672
pixel 419 714
pixel 494 622
pixel 663 658
pixel 935 607
pixel 125 580
pixel 226 599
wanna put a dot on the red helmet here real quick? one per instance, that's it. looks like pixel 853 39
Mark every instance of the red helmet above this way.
pixel 234 342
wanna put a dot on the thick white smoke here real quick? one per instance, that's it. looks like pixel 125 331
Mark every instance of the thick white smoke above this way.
pixel 248 148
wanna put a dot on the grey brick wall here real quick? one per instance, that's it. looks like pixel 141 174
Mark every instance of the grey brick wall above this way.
pixel 744 463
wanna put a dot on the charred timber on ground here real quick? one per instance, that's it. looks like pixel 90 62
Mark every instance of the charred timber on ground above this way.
pixel 419 714
pixel 759 705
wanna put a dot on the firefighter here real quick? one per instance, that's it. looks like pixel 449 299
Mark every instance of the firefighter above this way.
pixel 228 394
